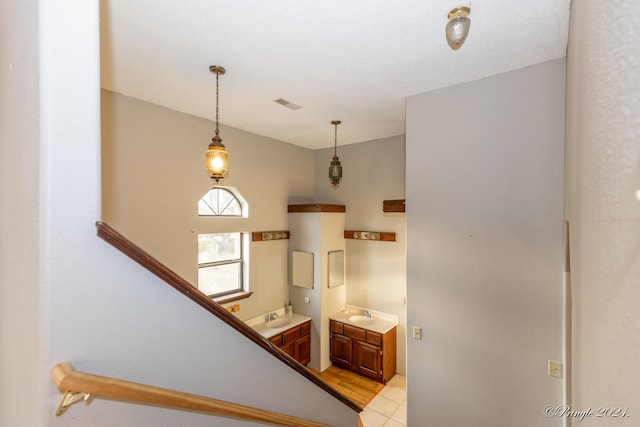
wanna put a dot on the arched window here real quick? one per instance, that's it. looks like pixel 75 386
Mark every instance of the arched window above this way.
pixel 221 201
pixel 223 257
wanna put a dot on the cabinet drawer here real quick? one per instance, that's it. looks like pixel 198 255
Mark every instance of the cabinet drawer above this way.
pixel 355 333
pixel 276 339
pixel 290 336
pixel 305 328
pixel 336 327
pixel 374 338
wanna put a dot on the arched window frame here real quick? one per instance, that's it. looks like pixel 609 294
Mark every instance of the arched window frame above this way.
pixel 223 202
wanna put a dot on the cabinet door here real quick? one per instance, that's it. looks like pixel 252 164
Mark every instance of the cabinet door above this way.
pixel 367 359
pixel 302 349
pixel 340 350
pixel 289 336
pixel 289 349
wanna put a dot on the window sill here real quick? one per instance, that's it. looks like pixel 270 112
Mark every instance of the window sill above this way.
pixel 232 297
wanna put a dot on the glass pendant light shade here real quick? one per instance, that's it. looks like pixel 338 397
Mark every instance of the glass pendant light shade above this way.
pixel 335 171
pixel 217 161
pixel 458 26
pixel 335 168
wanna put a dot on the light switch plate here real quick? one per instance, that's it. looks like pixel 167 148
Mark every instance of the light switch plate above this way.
pixel 417 333
pixel 554 368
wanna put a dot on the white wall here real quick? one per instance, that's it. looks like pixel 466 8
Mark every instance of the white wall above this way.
pixel 99 310
pixel 154 175
pixel 603 176
pixel 484 226
pixel 19 216
pixel 375 271
pixel 319 233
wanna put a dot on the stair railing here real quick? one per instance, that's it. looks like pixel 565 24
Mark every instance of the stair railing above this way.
pixel 80 386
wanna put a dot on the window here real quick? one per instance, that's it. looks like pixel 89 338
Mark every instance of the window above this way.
pixel 223 257
pixel 221 201
pixel 220 264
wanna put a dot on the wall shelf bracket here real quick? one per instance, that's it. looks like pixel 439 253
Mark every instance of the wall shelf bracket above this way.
pixel 68 399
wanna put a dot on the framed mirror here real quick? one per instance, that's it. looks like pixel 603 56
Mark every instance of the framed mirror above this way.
pixel 336 268
pixel 302 269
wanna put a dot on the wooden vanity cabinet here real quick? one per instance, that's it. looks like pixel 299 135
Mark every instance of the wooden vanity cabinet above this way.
pixel 363 351
pixel 296 342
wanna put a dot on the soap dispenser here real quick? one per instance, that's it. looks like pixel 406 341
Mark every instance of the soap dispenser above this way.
pixel 288 309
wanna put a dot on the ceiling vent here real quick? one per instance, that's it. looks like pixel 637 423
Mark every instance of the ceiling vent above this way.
pixel 287 104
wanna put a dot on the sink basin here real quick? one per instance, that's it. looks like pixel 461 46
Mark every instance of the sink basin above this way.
pixel 362 320
pixel 278 323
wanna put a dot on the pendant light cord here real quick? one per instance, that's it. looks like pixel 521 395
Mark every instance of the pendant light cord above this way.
pixel 217 95
pixel 335 141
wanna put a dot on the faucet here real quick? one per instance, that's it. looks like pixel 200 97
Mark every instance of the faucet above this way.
pixel 270 316
pixel 367 313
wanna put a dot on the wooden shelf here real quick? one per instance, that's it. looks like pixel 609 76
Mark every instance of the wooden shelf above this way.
pixel 316 207
pixel 393 205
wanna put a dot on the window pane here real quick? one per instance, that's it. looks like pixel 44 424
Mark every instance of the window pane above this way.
pixel 219 278
pixel 219 202
pixel 218 247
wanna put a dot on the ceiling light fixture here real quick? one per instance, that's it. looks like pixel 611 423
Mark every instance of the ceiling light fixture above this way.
pixel 457 28
pixel 217 160
pixel 335 169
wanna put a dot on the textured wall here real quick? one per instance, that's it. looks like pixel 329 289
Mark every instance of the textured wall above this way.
pixel 19 213
pixel 603 176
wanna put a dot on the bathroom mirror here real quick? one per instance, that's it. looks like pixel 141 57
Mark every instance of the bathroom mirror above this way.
pixel 336 268
pixel 302 269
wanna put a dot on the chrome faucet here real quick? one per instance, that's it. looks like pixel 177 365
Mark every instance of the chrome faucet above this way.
pixel 367 313
pixel 270 316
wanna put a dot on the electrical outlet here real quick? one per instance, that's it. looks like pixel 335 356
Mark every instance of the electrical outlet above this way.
pixel 554 368
pixel 417 333
pixel 233 308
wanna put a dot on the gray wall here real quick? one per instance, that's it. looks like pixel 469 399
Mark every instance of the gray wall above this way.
pixel 484 227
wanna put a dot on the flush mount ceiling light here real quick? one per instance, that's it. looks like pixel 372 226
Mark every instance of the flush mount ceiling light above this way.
pixel 217 160
pixel 457 28
pixel 335 169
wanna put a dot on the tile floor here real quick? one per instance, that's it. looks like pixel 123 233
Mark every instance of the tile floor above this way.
pixel 389 407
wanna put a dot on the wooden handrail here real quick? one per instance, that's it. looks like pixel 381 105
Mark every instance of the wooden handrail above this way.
pixel 72 382
pixel 181 285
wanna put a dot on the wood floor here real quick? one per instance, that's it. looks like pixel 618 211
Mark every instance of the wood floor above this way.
pixel 357 388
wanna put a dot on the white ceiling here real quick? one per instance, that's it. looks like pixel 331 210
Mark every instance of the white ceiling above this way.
pixel 355 61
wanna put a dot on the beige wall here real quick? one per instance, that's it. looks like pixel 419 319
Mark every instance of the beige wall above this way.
pixel 375 271
pixel 603 176
pixel 151 187
pixel 154 175
pixel 484 244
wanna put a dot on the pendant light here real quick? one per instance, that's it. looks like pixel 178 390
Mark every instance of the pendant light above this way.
pixel 335 168
pixel 457 28
pixel 217 161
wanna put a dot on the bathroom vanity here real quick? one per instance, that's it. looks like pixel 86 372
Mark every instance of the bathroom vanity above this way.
pixel 289 332
pixel 296 342
pixel 362 344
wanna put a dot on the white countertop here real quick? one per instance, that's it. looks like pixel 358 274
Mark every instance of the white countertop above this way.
pixel 263 328
pixel 379 322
